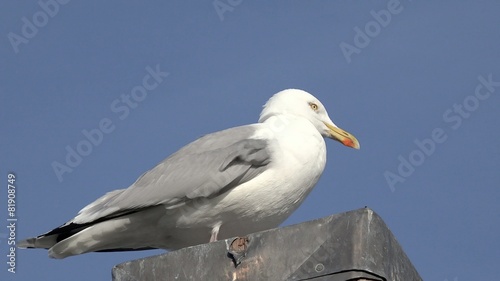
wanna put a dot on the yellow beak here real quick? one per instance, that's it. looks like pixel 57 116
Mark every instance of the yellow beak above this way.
pixel 342 136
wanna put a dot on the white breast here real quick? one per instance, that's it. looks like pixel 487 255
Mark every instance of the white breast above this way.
pixel 298 159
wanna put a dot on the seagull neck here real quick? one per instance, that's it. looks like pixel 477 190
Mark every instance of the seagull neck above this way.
pixel 276 120
pixel 281 123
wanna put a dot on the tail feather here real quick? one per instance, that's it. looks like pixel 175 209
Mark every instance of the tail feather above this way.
pixel 124 231
pixel 41 242
pixel 49 239
pixel 117 234
pixel 27 243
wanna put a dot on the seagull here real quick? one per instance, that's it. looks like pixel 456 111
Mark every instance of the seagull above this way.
pixel 225 184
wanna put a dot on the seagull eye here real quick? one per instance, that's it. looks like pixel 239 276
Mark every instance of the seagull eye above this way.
pixel 314 106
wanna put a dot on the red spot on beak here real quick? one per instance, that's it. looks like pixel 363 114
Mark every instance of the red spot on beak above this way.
pixel 348 142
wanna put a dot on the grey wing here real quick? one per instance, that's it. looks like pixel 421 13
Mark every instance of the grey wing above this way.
pixel 206 167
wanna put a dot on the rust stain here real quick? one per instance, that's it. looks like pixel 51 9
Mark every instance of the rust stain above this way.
pixel 239 244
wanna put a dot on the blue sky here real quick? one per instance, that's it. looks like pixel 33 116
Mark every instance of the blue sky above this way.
pixel 417 82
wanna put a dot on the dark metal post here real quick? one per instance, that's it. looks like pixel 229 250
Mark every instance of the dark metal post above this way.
pixel 355 245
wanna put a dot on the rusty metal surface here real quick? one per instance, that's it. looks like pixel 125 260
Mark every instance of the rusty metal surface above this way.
pixel 355 245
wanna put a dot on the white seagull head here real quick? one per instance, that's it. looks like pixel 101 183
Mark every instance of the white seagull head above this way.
pixel 303 104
